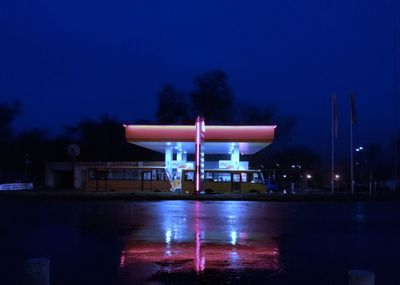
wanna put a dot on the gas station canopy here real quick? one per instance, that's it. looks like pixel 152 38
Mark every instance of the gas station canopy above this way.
pixel 218 139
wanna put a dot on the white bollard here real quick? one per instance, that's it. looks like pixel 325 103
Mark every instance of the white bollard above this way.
pixel 360 277
pixel 37 271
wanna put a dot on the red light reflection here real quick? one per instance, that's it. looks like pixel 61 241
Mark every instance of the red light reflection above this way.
pixel 204 246
pixel 180 258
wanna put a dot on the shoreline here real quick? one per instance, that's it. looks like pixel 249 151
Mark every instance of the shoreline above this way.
pixel 140 196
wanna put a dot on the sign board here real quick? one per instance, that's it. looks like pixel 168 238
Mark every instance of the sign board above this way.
pixel 16 186
pixel 175 164
pixel 228 164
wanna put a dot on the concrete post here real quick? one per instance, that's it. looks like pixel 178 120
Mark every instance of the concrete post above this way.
pixel 360 277
pixel 37 271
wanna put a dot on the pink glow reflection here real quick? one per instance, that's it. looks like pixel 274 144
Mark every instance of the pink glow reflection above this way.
pixel 208 256
pixel 200 260
pixel 194 240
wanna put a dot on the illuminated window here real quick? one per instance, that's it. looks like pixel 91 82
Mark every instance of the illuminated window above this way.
pixel 147 175
pixel 244 177
pixel 256 178
pixel 161 175
pixel 222 177
pixel 189 176
pixel 209 176
pixel 236 177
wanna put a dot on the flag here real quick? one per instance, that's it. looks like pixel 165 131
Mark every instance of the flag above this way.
pixel 335 115
pixel 353 110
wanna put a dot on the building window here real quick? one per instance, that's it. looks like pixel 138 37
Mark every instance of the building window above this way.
pixel 244 177
pixel 256 178
pixel 147 175
pixel 189 176
pixel 209 176
pixel 236 177
pixel 222 177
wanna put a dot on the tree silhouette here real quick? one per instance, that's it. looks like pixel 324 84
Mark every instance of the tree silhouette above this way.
pixel 213 97
pixel 8 112
pixel 172 107
pixel 104 140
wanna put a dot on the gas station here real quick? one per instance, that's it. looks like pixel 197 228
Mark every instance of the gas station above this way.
pixel 179 141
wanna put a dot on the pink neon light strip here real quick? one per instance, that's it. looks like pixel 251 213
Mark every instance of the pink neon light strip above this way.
pixel 186 133
pixel 197 155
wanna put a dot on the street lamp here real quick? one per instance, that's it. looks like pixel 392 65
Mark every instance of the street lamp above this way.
pixel 308 176
pixel 337 177
pixel 360 165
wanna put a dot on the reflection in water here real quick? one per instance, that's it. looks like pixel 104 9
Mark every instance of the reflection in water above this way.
pixel 196 237
pixel 200 259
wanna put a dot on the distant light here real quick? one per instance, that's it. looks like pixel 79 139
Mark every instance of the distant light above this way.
pixel 175 147
pixel 168 235
pixel 284 175
pixel 337 176
pixel 309 176
pixel 361 148
pixel 185 151
pixel 168 143
pixel 233 237
pixel 293 166
pixel 124 125
pixel 242 153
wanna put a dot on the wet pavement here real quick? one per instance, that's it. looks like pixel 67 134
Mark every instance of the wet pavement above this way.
pixel 200 242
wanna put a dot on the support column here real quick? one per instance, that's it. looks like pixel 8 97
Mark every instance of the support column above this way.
pixel 235 156
pixel 168 159
pixel 184 156
pixel 179 155
pixel 199 168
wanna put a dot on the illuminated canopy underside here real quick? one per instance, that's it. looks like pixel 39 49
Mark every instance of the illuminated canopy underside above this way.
pixel 218 139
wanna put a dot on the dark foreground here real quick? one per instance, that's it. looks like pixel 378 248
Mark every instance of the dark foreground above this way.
pixel 200 242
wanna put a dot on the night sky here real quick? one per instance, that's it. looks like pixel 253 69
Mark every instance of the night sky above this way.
pixel 68 60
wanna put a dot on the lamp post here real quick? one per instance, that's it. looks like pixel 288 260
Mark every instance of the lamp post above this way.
pixel 359 162
pixel 337 177
pixel 27 163
pixel 308 176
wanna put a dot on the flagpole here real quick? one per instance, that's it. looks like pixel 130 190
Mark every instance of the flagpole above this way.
pixel 351 143
pixel 333 144
pixel 351 158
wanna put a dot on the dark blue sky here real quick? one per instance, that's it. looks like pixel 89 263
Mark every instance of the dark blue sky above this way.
pixel 72 59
